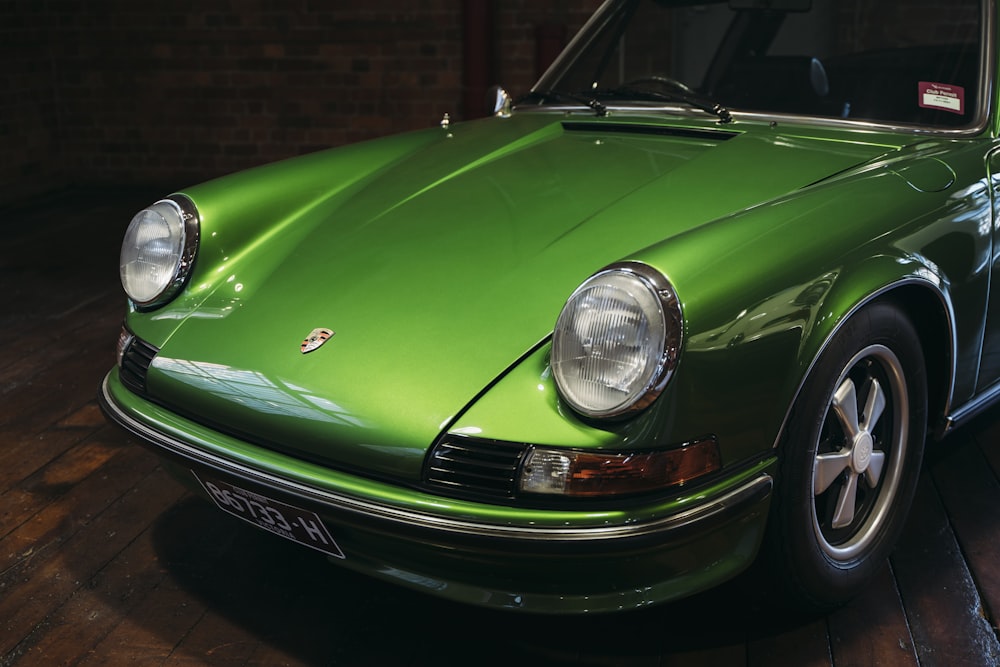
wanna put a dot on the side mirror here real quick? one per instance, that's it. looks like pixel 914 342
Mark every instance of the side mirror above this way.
pixel 498 102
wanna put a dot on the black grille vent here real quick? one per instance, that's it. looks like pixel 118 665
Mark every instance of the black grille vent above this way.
pixel 473 466
pixel 659 130
pixel 135 363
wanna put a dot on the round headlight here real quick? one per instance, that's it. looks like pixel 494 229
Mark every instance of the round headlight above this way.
pixel 158 251
pixel 617 341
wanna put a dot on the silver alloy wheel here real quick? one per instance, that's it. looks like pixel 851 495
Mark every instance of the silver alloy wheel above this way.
pixel 861 453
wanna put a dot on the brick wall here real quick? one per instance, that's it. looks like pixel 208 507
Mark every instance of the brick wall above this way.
pixel 29 118
pixel 169 92
pixel 174 91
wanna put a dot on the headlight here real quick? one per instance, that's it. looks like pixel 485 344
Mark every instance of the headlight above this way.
pixel 158 251
pixel 617 341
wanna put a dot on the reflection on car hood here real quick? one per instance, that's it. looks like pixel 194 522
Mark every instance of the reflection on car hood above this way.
pixel 439 271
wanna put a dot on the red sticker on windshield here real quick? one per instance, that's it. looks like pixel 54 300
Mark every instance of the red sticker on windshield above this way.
pixel 942 96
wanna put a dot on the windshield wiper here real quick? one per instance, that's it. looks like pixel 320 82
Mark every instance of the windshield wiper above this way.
pixel 681 94
pixel 562 96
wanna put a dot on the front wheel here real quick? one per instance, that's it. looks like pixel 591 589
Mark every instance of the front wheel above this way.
pixel 850 459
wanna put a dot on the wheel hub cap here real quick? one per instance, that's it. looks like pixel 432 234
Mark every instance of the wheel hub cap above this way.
pixel 858 462
pixel 862 452
pixel 858 459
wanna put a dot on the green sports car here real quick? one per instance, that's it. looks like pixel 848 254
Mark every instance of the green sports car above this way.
pixel 696 299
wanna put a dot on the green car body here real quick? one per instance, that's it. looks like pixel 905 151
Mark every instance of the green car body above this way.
pixel 438 262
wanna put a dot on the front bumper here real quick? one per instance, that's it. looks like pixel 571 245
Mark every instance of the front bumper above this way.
pixel 542 561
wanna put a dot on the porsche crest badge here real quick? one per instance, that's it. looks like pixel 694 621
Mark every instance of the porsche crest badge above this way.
pixel 315 339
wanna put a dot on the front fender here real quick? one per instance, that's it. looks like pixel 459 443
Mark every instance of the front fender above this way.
pixel 919 290
pixel 763 292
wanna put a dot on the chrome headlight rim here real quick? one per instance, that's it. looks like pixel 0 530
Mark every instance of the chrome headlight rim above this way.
pixel 190 220
pixel 667 353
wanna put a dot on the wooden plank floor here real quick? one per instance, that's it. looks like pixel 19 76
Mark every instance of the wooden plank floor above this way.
pixel 104 560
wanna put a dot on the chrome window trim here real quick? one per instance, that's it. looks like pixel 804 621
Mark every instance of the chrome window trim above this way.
pixel 826 122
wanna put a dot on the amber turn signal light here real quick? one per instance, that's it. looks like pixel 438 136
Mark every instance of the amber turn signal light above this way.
pixel 592 474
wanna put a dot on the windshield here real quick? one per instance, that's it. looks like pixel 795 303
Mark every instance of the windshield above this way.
pixel 883 61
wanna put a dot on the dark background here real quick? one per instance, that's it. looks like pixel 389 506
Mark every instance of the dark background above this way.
pixel 105 560
pixel 168 93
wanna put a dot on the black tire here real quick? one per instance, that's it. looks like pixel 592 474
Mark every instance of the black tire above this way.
pixel 848 473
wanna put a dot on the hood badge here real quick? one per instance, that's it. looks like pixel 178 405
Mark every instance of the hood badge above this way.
pixel 315 339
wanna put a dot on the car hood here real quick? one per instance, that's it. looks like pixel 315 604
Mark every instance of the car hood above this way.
pixel 441 267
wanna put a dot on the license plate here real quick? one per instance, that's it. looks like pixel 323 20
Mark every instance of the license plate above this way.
pixel 288 521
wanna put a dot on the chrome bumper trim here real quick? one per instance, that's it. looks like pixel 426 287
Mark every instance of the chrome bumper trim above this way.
pixel 718 509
